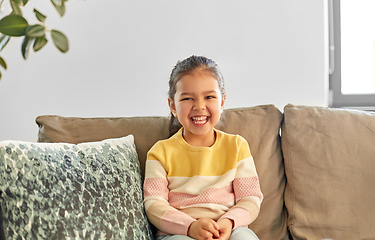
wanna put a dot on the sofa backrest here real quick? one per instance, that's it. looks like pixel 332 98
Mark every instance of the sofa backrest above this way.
pixel 146 130
pixel 259 125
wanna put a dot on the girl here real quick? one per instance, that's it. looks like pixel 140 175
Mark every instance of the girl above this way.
pixel 200 183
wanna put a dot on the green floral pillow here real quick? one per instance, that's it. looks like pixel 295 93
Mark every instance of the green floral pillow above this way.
pixel 66 191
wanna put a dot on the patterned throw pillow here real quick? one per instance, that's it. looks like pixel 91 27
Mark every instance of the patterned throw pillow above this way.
pixel 66 191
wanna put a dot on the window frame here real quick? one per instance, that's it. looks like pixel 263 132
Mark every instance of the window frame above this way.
pixel 337 98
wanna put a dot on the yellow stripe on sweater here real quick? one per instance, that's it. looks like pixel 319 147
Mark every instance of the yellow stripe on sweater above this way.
pixel 183 160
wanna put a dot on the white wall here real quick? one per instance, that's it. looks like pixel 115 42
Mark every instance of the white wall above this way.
pixel 121 54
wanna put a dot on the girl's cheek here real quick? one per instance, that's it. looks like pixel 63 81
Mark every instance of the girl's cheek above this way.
pixel 185 106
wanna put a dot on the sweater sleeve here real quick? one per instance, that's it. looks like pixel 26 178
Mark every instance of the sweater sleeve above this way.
pixel 160 213
pixel 246 187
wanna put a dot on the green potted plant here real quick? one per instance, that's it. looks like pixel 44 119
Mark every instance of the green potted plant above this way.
pixel 34 35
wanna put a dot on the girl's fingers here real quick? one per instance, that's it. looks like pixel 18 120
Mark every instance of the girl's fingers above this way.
pixel 206 228
pixel 206 235
pixel 216 226
pixel 213 229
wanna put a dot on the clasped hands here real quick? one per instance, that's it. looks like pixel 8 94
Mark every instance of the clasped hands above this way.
pixel 208 229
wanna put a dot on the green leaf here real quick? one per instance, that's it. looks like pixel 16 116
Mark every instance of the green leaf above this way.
pixel 39 43
pixel 36 30
pixel 18 2
pixel 25 48
pixel 57 2
pixel 60 40
pixel 41 17
pixel 59 7
pixel 4 39
pixel 13 25
pixel 16 8
pixel 3 63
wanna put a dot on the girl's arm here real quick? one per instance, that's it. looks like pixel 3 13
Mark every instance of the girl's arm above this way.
pixel 248 195
pixel 158 210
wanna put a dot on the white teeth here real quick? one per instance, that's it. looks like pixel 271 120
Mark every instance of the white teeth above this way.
pixel 199 120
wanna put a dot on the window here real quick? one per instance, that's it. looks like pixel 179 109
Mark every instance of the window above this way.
pixel 352 53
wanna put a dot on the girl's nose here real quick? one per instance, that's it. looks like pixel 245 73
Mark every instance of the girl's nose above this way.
pixel 199 105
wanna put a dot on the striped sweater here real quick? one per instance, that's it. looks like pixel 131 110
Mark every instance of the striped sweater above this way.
pixel 184 183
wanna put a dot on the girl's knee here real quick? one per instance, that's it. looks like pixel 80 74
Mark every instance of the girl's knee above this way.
pixel 243 233
pixel 174 237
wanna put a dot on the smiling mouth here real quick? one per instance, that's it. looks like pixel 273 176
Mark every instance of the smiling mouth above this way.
pixel 200 120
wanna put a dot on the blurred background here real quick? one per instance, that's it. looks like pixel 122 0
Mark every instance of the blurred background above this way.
pixel 121 54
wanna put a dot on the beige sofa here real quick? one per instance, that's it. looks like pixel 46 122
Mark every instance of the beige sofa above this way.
pixel 316 165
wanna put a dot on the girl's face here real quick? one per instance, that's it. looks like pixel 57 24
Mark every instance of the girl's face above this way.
pixel 198 104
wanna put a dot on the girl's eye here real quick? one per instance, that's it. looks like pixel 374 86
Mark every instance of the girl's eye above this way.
pixel 210 97
pixel 185 99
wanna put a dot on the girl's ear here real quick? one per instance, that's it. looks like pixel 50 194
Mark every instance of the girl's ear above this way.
pixel 172 107
pixel 223 101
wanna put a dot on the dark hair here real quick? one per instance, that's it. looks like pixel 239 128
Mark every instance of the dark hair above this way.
pixel 186 67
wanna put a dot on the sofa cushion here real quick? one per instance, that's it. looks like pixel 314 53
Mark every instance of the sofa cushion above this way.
pixel 329 163
pixel 57 191
pixel 259 125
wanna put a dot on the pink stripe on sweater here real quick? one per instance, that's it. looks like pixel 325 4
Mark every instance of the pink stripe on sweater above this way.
pixel 247 186
pixel 211 195
pixel 240 216
pixel 176 222
pixel 156 187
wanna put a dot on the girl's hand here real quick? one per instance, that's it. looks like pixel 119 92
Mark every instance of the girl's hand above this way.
pixel 225 228
pixel 204 229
